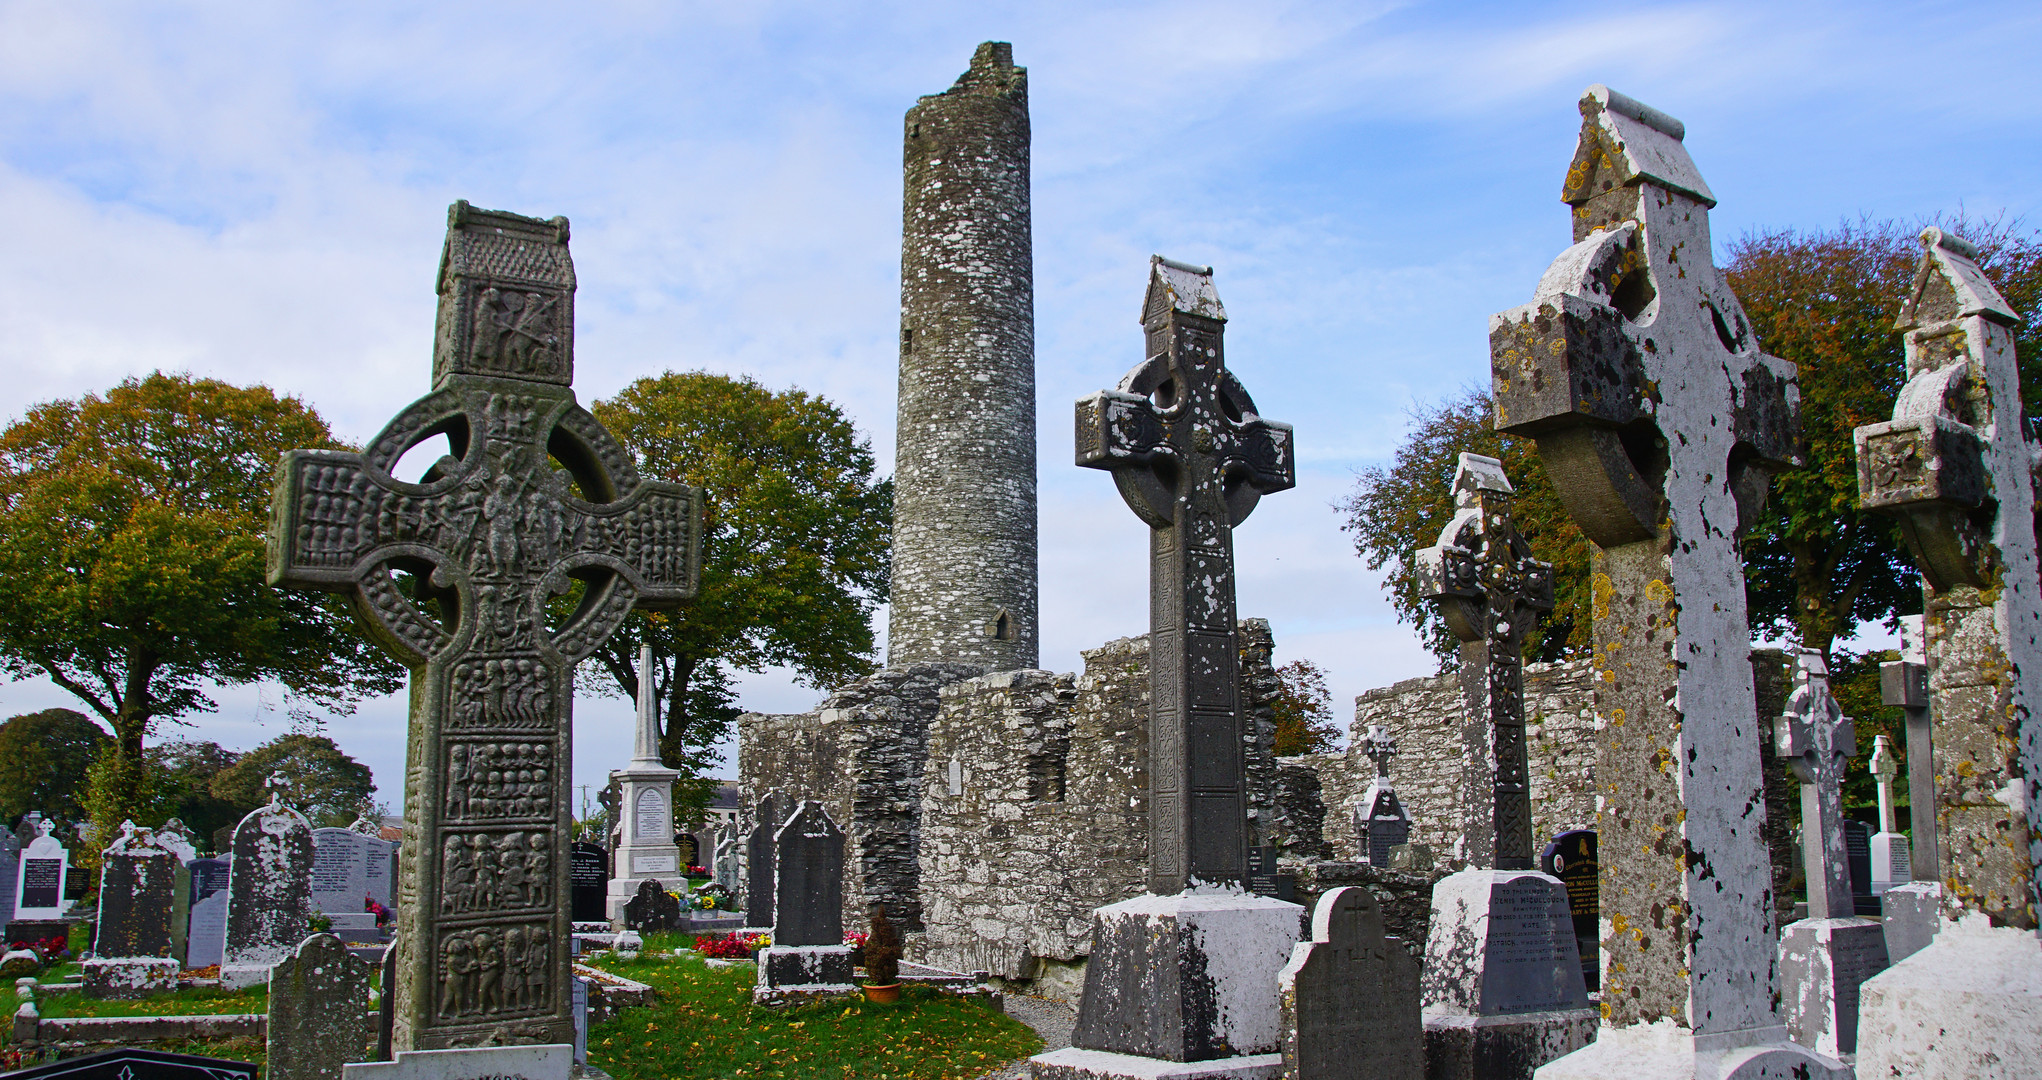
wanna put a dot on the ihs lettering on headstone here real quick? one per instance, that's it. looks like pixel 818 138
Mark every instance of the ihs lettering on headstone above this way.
pixel 1350 997
pixel 452 575
pixel 1824 957
pixel 1658 416
pixel 1381 821
pixel 1490 591
pixel 1191 457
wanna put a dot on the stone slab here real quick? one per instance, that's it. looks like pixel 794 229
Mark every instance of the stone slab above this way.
pixel 1967 1005
pixel 130 977
pixel 1348 997
pixel 1914 912
pixel 805 965
pixel 340 870
pixel 132 1064
pixel 1503 1047
pixel 1072 1063
pixel 1663 1050
pixel 1823 962
pixel 551 1061
pixel 1187 977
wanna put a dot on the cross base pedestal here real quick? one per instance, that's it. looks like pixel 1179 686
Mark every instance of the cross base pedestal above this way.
pixel 790 972
pixel 1912 914
pixel 1967 1005
pixel 1073 1063
pixel 1667 1051
pixel 129 977
pixel 1189 977
pixel 1503 1047
pixel 550 1061
pixel 1823 962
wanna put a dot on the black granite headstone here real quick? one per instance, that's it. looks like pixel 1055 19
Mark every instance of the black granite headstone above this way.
pixel 652 908
pixel 588 879
pixel 1571 858
pixel 128 1064
pixel 1264 879
pixel 808 896
pixel 40 883
pixel 758 853
pixel 1857 838
pixel 691 849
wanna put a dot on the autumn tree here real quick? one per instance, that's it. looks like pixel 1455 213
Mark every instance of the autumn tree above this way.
pixel 318 779
pixel 43 758
pixel 794 549
pixel 131 564
pixel 1395 511
pixel 1303 709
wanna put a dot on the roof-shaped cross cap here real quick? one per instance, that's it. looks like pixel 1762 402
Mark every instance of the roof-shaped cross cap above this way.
pixel 1176 286
pixel 505 247
pixel 1949 284
pixel 1639 141
pixel 1477 473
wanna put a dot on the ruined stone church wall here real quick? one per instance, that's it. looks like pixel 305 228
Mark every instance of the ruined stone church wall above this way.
pixel 860 754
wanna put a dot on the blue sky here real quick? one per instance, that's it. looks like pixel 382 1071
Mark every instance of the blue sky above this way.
pixel 258 193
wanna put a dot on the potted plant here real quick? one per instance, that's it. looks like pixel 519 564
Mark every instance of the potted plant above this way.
pixel 882 958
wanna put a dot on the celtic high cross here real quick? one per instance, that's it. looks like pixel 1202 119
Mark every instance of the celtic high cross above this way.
pixel 1490 591
pixel 1190 457
pixel 486 537
pixel 1817 739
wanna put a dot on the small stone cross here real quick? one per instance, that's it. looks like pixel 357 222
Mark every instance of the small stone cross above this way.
pixel 1490 591
pixel 1883 772
pixel 1818 739
pixel 1905 683
pixel 1380 744
pixel 535 499
pixel 1191 458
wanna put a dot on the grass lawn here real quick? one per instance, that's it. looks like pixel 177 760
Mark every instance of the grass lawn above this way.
pixel 703 1025
pixel 198 1001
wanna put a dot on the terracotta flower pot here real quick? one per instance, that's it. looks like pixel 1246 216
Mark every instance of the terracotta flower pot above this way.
pixel 882 995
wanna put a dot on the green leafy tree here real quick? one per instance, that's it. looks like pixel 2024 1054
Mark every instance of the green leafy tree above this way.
pixel 794 550
pixel 184 772
pixel 1303 710
pixel 43 759
pixel 1394 512
pixel 319 779
pixel 131 565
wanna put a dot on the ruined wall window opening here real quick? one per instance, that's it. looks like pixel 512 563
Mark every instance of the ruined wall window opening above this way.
pixel 1002 628
pixel 1046 766
pixel 907 340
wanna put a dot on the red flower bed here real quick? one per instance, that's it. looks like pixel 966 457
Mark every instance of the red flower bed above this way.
pixel 729 946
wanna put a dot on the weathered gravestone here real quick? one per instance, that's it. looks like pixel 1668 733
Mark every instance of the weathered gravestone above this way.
pixel 175 837
pixel 317 1019
pixel 1955 464
pixel 1911 911
pixel 1380 818
pixel 143 890
pixel 652 908
pixel 1889 844
pixel 1825 957
pixel 269 891
pixel 39 885
pixel 1503 990
pixel 759 869
pixel 1191 457
pixel 808 954
pixel 489 533
pixel 726 868
pixel 1350 997
pixel 340 880
pixel 646 787
pixel 206 942
pixel 1571 858
pixel 588 879
pixel 1657 415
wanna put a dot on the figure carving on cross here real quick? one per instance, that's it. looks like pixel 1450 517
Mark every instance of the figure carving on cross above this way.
pixel 1490 591
pixel 452 575
pixel 1818 740
pixel 1191 457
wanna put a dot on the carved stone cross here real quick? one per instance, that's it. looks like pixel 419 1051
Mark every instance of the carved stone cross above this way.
pixel 1818 740
pixel 1905 683
pixel 1190 457
pixel 535 499
pixel 1657 415
pixel 1490 591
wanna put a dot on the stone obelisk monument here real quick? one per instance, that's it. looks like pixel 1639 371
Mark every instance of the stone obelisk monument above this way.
pixel 964 521
pixel 452 576
pixel 646 789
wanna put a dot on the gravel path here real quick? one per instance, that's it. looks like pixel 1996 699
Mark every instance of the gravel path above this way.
pixel 1051 1019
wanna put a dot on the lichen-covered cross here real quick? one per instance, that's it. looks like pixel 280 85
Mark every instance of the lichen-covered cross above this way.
pixel 1490 591
pixel 1380 745
pixel 535 497
pixel 1191 457
pixel 1818 740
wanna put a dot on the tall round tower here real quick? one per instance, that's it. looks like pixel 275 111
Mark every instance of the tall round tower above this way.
pixel 964 576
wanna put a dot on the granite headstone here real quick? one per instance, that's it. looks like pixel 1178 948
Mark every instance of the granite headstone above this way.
pixel 1571 858
pixel 269 891
pixel 39 883
pixel 809 890
pixel 139 946
pixel 759 869
pixel 318 997
pixel 206 943
pixel 653 908
pixel 588 877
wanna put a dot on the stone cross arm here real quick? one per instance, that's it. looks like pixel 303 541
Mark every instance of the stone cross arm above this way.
pixel 1129 432
pixel 479 526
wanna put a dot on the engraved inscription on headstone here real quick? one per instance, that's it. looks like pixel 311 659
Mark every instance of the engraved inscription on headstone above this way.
pixel 39 883
pixel 1191 457
pixel 1571 858
pixel 206 943
pixel 589 877
pixel 1350 997
pixel 42 883
pixel 452 576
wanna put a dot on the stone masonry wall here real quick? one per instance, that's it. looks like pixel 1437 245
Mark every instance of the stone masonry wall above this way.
pixel 964 520
pixel 860 754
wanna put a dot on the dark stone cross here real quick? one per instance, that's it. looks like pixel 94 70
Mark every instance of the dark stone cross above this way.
pixel 1490 591
pixel 535 498
pixel 1380 820
pixel 1190 457
pixel 1818 740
